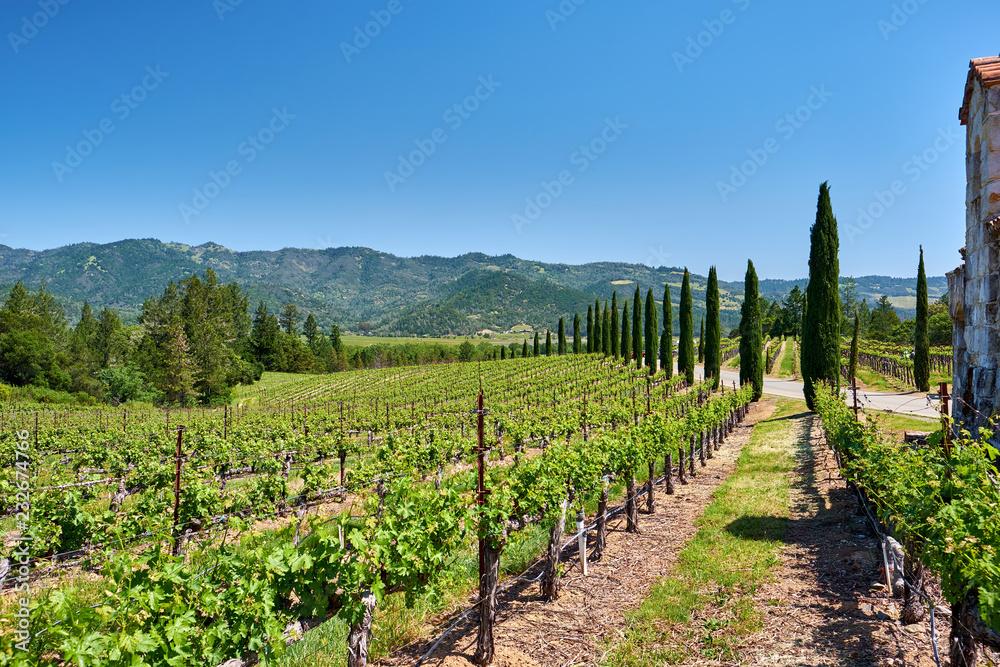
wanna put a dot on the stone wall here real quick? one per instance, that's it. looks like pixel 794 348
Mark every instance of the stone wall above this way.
pixel 974 287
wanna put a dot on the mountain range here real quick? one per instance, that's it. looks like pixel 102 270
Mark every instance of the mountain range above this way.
pixel 364 289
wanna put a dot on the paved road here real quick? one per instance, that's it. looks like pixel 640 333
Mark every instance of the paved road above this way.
pixel 910 403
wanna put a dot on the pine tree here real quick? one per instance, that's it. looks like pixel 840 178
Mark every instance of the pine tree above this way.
pixel 311 330
pixel 606 331
pixel 637 327
pixel 335 342
pixel 921 340
pixel 577 341
pixel 548 342
pixel 524 348
pixel 264 338
pixel 712 346
pixel 651 333
pixel 852 368
pixel 615 331
pixel 110 341
pixel 598 334
pixel 537 349
pixel 178 366
pixel 562 336
pixel 821 328
pixel 626 338
pixel 751 335
pixel 289 318
pixel 685 348
pixel 590 329
pixel 667 337
pixel 701 342
pixel 87 326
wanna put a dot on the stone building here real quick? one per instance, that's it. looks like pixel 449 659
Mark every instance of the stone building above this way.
pixel 974 287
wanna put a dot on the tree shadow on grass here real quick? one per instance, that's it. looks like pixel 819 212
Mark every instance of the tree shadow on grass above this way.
pixel 798 415
pixel 826 577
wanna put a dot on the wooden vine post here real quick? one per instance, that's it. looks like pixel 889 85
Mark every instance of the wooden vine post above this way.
pixel 489 558
pixel 177 489
pixel 946 439
pixel 854 388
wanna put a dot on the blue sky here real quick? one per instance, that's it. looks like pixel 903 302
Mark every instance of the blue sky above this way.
pixel 650 132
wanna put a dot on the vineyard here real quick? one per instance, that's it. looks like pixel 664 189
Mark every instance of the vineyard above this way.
pixel 896 362
pixel 222 536
pixel 939 501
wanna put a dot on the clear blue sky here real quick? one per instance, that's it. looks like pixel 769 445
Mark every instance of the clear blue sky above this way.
pixel 673 128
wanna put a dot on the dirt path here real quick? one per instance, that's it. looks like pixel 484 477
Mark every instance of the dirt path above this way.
pixel 824 607
pixel 575 630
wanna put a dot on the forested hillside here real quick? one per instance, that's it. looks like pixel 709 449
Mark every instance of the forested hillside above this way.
pixel 391 295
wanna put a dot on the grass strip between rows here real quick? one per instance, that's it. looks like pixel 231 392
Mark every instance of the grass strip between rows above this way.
pixel 705 607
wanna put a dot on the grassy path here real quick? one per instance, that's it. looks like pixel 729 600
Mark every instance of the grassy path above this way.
pixel 785 366
pixel 704 610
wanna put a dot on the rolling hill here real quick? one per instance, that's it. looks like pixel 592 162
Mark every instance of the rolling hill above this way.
pixel 396 295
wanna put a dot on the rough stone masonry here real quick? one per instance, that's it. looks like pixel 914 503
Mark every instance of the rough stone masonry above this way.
pixel 974 287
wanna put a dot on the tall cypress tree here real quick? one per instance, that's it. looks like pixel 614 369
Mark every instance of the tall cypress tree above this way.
pixel 667 338
pixel 615 335
pixel 685 348
pixel 701 342
pixel 712 347
pixel 821 327
pixel 548 342
pixel 537 348
pixel 626 340
pixel 606 331
pixel 751 335
pixel 598 337
pixel 577 341
pixel 921 341
pixel 637 327
pixel 503 352
pixel 562 336
pixel 590 329
pixel 852 368
pixel 651 332
pixel 802 343
pixel 524 348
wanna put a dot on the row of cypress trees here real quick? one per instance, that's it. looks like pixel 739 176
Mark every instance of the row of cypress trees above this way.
pixel 640 340
pixel 646 344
